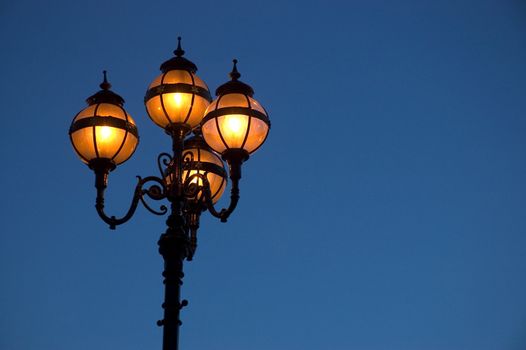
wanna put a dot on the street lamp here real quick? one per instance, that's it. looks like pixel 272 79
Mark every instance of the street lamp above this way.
pixel 193 176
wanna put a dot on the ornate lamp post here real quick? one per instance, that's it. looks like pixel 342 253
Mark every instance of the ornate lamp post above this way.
pixel 193 176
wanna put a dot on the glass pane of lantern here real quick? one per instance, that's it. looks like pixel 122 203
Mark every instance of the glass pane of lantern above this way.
pixel 257 134
pixel 199 82
pixel 156 81
pixel 155 111
pixel 111 110
pixel 216 185
pixel 127 149
pixel 212 106
pixel 82 139
pixel 177 76
pixel 255 105
pixel 109 140
pixel 87 112
pixel 177 105
pixel 217 195
pixel 198 110
pixel 233 100
pixel 211 135
pixel 209 157
pixel 233 128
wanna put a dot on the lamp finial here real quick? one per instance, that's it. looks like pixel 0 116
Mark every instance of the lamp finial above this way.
pixel 179 52
pixel 105 85
pixel 235 74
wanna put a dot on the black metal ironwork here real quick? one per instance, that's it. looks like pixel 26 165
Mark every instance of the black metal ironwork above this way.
pixel 170 191
pixel 179 242
pixel 235 110
pixel 183 181
pixel 179 87
pixel 104 121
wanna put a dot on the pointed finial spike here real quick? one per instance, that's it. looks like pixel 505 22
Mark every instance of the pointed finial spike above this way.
pixel 235 74
pixel 179 51
pixel 105 85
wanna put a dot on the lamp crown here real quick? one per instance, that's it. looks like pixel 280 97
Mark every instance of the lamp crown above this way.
pixel 235 86
pixel 105 95
pixel 178 62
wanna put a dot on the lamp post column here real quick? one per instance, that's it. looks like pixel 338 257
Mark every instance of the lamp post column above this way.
pixel 193 178
pixel 173 246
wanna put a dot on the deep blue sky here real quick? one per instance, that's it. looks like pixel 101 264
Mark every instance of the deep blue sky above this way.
pixel 385 212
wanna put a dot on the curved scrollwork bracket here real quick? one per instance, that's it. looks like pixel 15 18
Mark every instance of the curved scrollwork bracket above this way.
pixel 164 161
pixel 156 191
pixel 197 187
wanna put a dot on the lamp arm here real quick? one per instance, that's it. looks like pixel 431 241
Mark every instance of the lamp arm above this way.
pixel 224 213
pixel 156 192
pixel 192 189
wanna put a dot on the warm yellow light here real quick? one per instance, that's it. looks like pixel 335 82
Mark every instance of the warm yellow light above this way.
pixel 234 129
pixel 177 105
pixel 193 175
pixel 178 99
pixel 195 180
pixel 165 107
pixel 109 140
pixel 246 128
pixel 233 124
pixel 105 134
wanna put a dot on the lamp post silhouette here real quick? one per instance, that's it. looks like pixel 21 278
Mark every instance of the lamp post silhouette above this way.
pixel 193 176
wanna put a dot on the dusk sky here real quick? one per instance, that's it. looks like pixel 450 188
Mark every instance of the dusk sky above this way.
pixel 386 210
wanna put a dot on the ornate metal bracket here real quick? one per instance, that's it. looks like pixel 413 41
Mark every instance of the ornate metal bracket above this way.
pixel 156 191
pixel 196 189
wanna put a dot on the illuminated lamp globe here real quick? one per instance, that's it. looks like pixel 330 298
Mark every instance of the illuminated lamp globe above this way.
pixel 199 161
pixel 177 97
pixel 103 132
pixel 235 123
